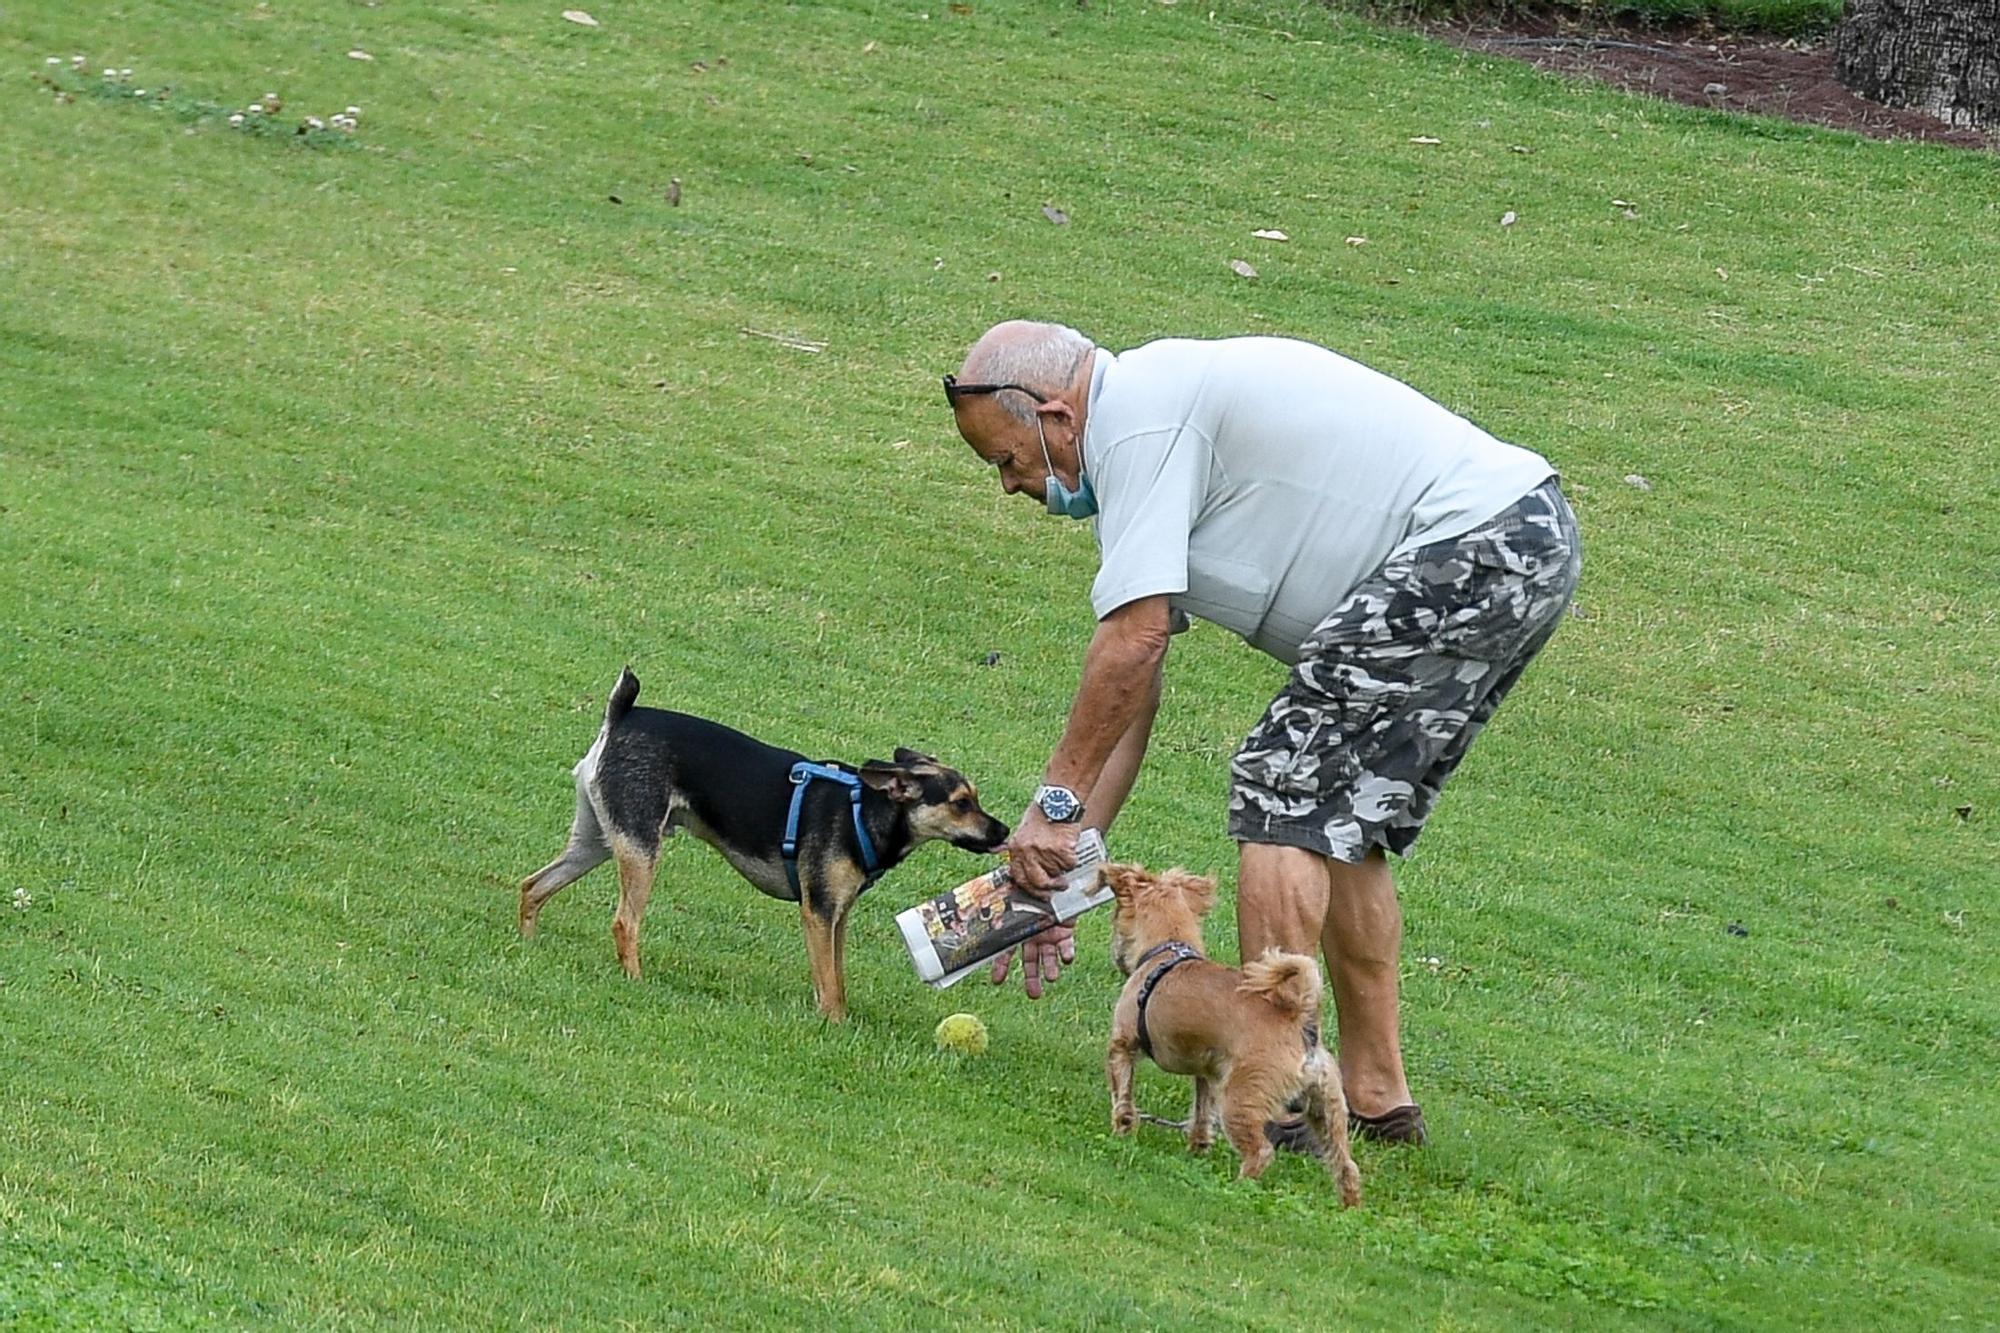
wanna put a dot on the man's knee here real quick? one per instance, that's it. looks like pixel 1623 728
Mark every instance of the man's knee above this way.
pixel 1364 920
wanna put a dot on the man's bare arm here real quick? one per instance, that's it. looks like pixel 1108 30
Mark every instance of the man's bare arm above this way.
pixel 1120 676
pixel 1114 785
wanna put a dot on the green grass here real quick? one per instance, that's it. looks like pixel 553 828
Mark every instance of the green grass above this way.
pixel 336 486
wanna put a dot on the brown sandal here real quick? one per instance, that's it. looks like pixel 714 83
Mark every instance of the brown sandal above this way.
pixel 1293 1134
pixel 1404 1124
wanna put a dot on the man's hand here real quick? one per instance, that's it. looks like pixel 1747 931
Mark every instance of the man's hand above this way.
pixel 1038 856
pixel 1041 853
pixel 1109 719
pixel 1042 957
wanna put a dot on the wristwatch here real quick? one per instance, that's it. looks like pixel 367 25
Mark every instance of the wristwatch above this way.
pixel 1059 805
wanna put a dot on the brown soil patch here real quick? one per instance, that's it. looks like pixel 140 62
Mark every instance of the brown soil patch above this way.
pixel 1764 76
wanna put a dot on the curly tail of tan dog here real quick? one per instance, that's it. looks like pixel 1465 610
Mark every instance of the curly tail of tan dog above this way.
pixel 1288 981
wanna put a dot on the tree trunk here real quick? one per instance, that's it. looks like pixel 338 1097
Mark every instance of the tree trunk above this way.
pixel 1940 56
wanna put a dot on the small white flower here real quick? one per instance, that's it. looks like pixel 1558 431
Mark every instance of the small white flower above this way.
pixel 353 112
pixel 138 92
pixel 53 60
pixel 124 73
pixel 77 61
pixel 23 900
pixel 110 73
pixel 315 123
pixel 236 119
pixel 254 109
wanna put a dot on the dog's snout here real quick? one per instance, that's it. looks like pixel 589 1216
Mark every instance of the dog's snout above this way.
pixel 990 835
pixel 989 839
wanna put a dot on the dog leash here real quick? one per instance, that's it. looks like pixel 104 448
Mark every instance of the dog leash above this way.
pixel 803 773
pixel 1181 953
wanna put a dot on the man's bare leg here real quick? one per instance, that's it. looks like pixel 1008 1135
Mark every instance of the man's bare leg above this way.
pixel 1280 899
pixel 1363 939
pixel 1288 897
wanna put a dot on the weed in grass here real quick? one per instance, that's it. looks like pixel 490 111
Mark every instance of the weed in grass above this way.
pixel 72 80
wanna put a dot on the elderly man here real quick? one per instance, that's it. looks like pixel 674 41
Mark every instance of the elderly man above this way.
pixel 1403 562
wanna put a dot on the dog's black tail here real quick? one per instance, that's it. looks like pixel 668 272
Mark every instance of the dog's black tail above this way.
pixel 623 695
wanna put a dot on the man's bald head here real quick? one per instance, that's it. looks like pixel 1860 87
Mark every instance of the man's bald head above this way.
pixel 1042 357
pixel 1025 439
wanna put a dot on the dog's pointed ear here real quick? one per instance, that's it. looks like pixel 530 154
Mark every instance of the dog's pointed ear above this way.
pixel 1197 890
pixel 1122 880
pixel 892 781
pixel 910 758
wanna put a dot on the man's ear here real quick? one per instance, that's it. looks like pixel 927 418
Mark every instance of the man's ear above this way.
pixel 1056 412
pixel 910 758
pixel 1059 416
pixel 891 781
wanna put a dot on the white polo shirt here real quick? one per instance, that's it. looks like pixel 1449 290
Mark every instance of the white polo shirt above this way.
pixel 1256 481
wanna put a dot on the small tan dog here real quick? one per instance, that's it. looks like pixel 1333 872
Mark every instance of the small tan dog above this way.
pixel 1250 1038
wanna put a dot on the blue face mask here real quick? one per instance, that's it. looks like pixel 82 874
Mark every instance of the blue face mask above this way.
pixel 1078 503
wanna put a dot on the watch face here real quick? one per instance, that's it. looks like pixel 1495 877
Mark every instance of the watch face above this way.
pixel 1059 804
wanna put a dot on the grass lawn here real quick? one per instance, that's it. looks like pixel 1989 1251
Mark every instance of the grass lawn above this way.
pixel 338 478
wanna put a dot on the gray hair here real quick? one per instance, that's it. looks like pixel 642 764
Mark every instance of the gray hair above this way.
pixel 1045 358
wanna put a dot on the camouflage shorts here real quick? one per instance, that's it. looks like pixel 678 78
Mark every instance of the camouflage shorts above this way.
pixel 1392 687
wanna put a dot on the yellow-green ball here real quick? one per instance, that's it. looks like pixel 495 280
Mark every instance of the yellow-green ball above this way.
pixel 963 1033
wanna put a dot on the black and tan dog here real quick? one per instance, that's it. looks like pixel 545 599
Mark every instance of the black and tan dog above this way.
pixel 815 834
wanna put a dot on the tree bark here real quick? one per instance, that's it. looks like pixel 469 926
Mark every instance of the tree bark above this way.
pixel 1940 56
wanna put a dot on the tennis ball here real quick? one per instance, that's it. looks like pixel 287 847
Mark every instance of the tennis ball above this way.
pixel 963 1033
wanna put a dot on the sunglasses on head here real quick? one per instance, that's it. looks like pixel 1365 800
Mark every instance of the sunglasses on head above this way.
pixel 953 390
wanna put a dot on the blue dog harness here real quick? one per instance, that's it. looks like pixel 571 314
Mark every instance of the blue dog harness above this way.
pixel 1182 953
pixel 803 773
